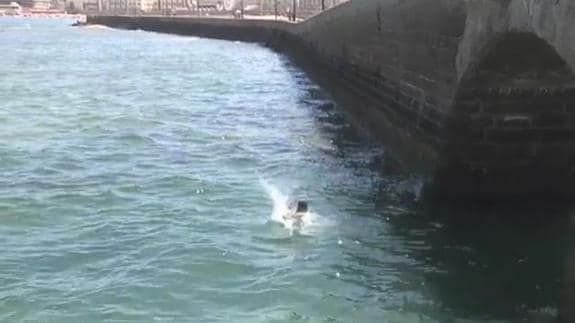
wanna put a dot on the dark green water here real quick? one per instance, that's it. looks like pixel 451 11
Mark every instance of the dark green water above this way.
pixel 140 173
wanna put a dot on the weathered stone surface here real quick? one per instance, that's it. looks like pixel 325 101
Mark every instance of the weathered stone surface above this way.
pixel 479 93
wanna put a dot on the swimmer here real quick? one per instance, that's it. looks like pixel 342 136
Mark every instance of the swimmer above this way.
pixel 296 211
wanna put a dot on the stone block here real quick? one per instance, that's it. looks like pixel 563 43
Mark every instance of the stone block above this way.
pixel 557 135
pixel 513 121
pixel 512 135
pixel 429 127
pixel 469 106
pixel 551 120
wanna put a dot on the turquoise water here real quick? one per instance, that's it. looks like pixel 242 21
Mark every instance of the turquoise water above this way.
pixel 141 171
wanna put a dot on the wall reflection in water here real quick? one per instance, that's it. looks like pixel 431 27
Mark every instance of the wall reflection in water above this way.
pixel 482 262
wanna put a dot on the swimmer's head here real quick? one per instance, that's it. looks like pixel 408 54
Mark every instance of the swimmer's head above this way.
pixel 302 207
pixel 295 206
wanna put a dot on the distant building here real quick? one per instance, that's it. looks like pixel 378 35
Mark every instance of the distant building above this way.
pixel 10 8
pixel 37 5
pixel 91 6
pixel 171 6
pixel 74 6
pixel 85 6
pixel 143 6
pixel 41 5
pixel 131 7
pixel 59 5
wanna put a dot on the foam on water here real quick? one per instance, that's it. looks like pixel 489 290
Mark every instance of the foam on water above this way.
pixel 95 27
pixel 281 207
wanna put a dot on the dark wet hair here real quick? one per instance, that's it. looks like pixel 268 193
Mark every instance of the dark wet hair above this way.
pixel 301 207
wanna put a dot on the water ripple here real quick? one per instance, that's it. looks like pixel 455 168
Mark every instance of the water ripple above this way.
pixel 131 190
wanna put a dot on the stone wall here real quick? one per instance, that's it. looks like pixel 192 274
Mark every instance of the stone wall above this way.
pixel 392 57
pixel 513 132
pixel 400 54
pixel 550 20
pixel 438 81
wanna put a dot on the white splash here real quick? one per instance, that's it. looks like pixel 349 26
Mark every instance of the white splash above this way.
pixel 280 208
pixel 98 27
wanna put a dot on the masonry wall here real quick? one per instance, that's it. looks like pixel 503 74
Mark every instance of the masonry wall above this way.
pixel 410 71
pixel 513 132
pixel 400 55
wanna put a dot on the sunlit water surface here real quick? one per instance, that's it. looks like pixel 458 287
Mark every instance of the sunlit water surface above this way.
pixel 140 173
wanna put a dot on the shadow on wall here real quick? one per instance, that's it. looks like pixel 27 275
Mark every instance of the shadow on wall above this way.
pixel 512 129
pixel 520 59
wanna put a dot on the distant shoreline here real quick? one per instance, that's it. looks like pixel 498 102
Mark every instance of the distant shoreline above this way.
pixel 81 17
